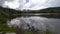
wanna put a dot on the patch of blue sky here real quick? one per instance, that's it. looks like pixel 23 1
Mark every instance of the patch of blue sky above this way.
pixel 27 1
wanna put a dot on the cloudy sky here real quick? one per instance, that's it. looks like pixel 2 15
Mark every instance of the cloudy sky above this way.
pixel 29 4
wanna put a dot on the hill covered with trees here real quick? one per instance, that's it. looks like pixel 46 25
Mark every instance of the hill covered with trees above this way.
pixel 6 13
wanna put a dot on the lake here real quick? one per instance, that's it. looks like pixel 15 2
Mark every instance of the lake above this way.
pixel 41 23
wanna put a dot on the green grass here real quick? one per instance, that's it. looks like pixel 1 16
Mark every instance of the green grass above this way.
pixel 5 28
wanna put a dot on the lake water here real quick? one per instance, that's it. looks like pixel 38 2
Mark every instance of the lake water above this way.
pixel 41 23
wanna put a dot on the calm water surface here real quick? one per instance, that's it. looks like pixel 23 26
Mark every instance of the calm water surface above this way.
pixel 41 23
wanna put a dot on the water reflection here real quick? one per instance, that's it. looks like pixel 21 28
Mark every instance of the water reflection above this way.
pixel 40 23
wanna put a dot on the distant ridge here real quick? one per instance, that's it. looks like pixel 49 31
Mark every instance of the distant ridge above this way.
pixel 46 10
pixel 53 12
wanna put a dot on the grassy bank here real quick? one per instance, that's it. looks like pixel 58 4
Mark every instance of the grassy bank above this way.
pixel 5 28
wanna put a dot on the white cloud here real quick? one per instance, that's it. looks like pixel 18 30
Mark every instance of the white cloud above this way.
pixel 32 4
pixel 13 4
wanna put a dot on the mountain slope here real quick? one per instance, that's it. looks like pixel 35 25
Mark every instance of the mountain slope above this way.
pixel 6 13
